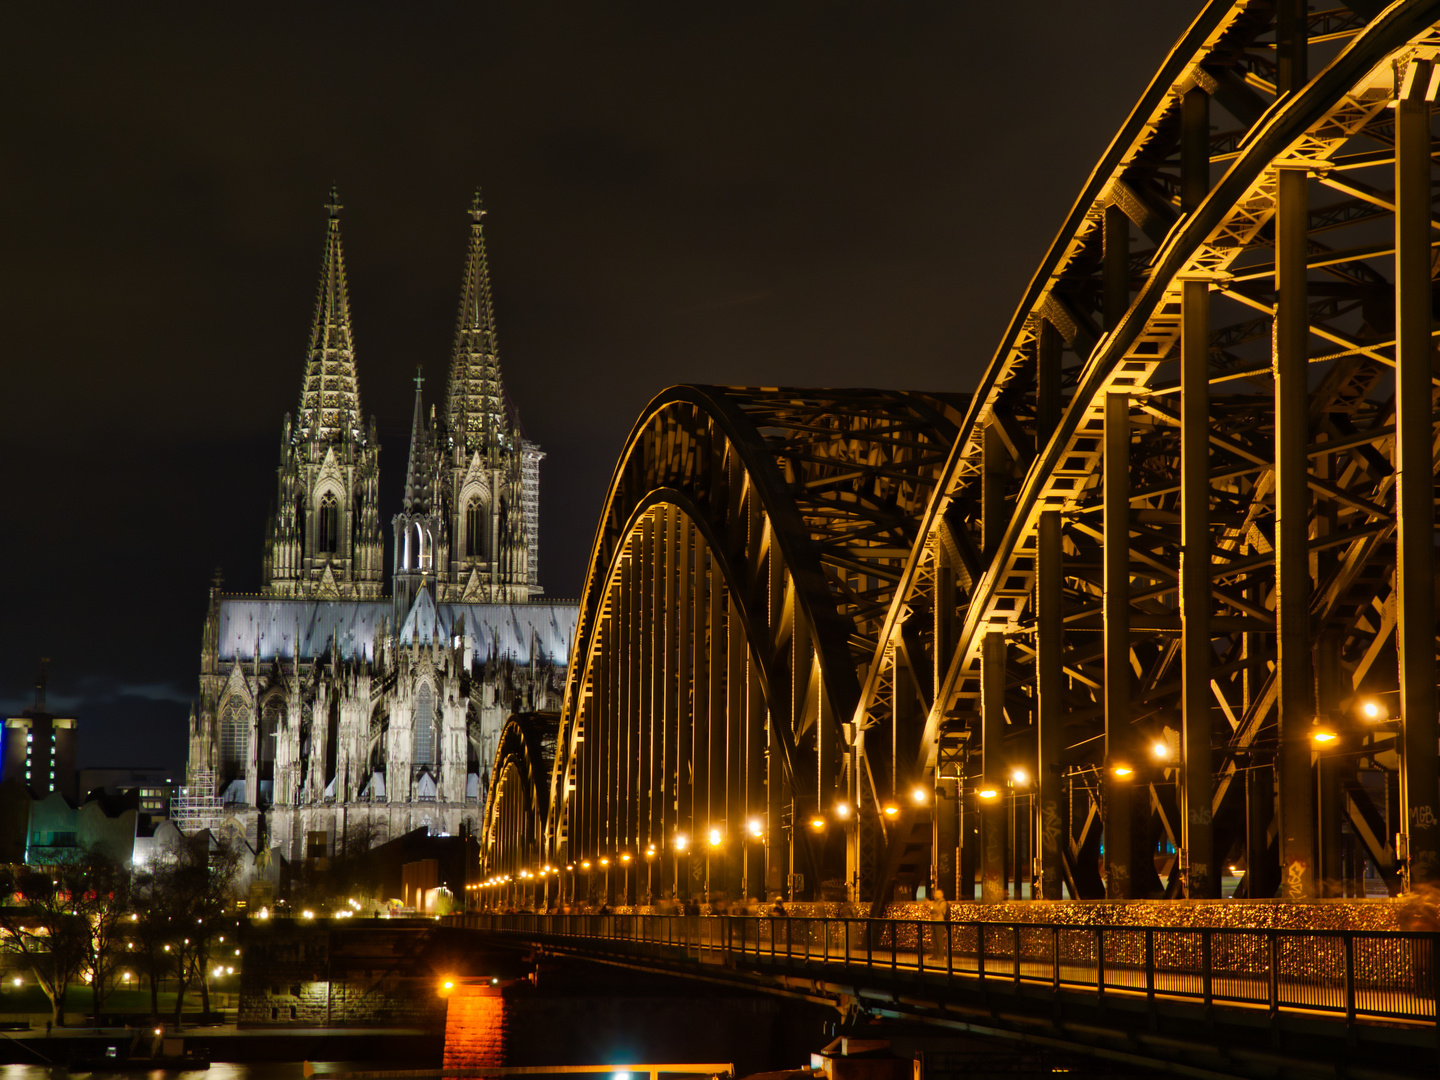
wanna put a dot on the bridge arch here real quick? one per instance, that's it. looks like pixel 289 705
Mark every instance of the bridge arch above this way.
pixel 746 549
pixel 1129 415
pixel 517 804
pixel 1184 525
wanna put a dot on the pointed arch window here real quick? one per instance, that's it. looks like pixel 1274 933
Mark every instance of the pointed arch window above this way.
pixel 425 728
pixel 474 529
pixel 328 525
pixel 234 741
pixel 424 547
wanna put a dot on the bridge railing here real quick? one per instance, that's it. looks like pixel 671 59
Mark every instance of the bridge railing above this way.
pixel 1355 974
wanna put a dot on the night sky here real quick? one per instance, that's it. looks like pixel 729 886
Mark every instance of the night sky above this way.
pixel 811 194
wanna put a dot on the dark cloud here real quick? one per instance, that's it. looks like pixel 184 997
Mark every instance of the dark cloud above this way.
pixel 793 193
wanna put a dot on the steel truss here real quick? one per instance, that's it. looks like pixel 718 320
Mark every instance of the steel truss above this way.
pixel 1190 506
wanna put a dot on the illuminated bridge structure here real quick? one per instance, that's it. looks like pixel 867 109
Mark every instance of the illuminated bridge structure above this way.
pixel 1156 600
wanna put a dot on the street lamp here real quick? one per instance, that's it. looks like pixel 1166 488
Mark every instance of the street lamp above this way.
pixel 919 796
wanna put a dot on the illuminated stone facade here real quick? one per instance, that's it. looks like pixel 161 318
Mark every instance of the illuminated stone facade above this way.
pixel 328 709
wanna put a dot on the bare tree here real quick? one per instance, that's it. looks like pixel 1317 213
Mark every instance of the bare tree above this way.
pixel 40 922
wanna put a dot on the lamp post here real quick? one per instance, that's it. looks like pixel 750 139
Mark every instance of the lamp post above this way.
pixel 625 878
pixel 650 874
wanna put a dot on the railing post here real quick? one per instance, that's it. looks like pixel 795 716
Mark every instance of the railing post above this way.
pixel 1015 944
pixel 980 951
pixel 824 941
pixel 894 947
pixel 1273 940
pixel 1055 958
pixel 1349 939
pixel 1100 960
pixel 949 951
pixel 869 944
pixel 1206 984
pixel 919 947
pixel 1150 963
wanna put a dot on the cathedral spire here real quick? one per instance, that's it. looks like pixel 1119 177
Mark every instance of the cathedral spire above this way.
pixel 330 393
pixel 419 472
pixel 476 407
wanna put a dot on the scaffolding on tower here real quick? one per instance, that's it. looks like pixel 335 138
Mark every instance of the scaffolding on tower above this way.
pixel 197 807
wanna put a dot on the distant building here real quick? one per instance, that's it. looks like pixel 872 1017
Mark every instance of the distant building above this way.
pixel 38 749
pixel 329 708
pixel 152 785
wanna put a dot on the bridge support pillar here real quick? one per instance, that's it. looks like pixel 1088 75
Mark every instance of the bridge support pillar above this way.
pixel 1415 500
pixel 1120 765
pixel 1295 697
pixel 992 730
pixel 1050 686
pixel 1196 855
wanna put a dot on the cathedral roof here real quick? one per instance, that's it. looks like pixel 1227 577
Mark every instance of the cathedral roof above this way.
pixel 477 409
pixel 304 629
pixel 330 393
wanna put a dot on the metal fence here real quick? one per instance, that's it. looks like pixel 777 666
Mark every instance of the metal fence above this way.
pixel 1357 974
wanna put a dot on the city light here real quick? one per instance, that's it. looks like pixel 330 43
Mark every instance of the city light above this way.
pixel 605 862
pixel 625 858
pixel 919 796
pixel 890 809
pixel 1323 736
pixel 681 842
pixel 1122 771
pixel 987 793
pixel 1371 709
pixel 842 810
pixel 307 914
pixel 817 823
pixel 715 838
pixel 585 865
pixel 755 827
pixel 1161 749
pixel 1019 777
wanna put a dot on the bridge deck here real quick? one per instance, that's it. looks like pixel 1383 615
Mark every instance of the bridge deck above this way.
pixel 1344 985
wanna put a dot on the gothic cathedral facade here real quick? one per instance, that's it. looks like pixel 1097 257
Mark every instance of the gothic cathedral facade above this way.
pixel 330 711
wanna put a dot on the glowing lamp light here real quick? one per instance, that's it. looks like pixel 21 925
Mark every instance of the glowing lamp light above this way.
pixel 1371 710
pixel 681 842
pixel 447 986
pixel 842 810
pixel 987 793
pixel 604 862
pixel 625 858
pixel 16 980
pixel 307 914
pixel 715 838
pixel 585 865
pixel 1161 749
pixel 918 795
pixel 891 809
pixel 754 826
pixel 1019 776
pixel 817 823
pixel 1324 736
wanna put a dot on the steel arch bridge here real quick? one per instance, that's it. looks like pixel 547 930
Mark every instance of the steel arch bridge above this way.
pixel 1163 586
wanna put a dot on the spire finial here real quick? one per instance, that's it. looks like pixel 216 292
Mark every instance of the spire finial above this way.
pixel 477 208
pixel 333 206
pixel 419 377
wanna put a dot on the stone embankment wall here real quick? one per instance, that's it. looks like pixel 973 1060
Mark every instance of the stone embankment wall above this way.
pixel 312 974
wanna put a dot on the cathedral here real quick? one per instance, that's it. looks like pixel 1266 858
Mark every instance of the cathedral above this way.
pixel 329 711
